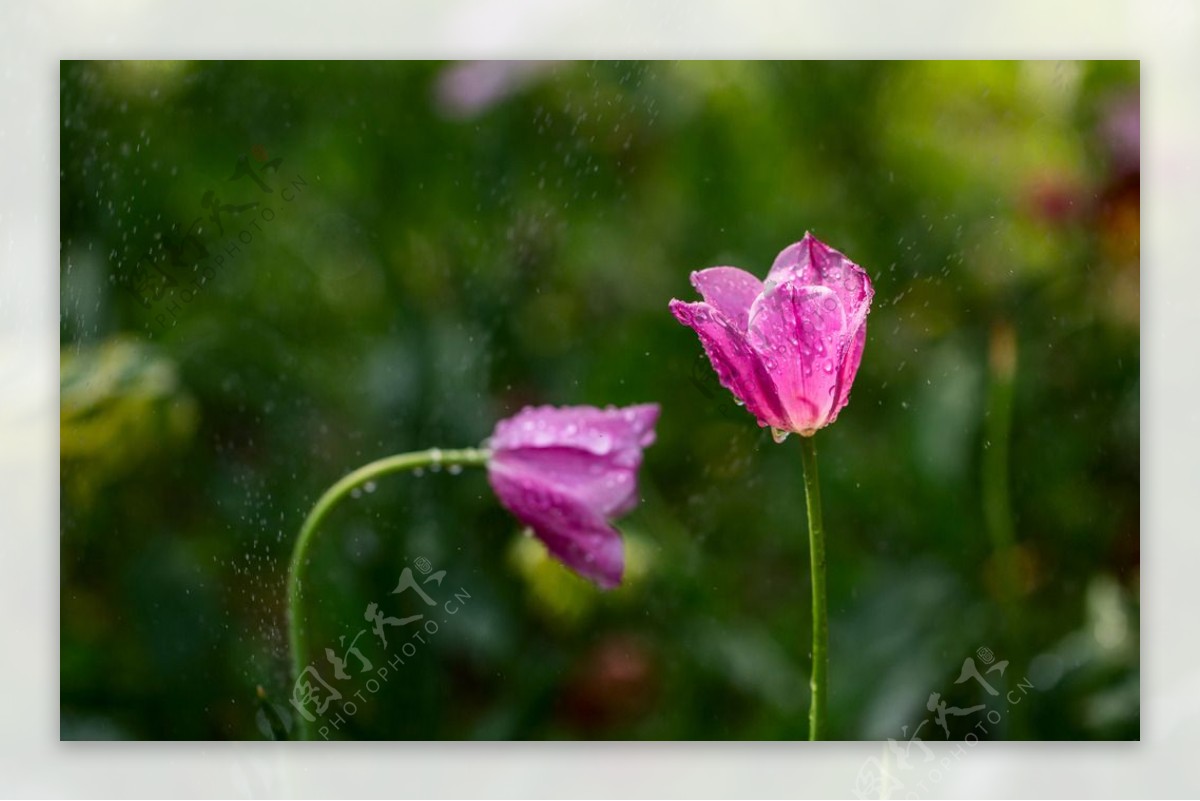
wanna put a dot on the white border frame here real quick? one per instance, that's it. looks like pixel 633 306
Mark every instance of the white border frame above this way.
pixel 1164 34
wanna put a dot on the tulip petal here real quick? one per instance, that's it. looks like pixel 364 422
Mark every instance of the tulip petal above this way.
pixel 591 453
pixel 573 532
pixel 737 365
pixel 730 291
pixel 800 335
pixel 850 362
pixel 811 262
pixel 605 483
pixel 620 432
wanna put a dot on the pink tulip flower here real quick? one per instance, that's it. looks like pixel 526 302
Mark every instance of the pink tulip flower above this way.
pixel 787 348
pixel 566 472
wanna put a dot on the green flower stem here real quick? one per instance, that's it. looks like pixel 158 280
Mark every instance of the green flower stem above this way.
pixel 468 457
pixel 997 505
pixel 820 631
pixel 1007 574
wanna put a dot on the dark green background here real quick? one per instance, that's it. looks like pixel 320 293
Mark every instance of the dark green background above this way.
pixel 436 270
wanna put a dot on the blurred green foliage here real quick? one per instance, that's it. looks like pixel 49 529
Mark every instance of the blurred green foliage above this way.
pixel 405 252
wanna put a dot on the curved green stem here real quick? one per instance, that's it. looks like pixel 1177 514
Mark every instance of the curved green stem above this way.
pixel 467 457
pixel 820 631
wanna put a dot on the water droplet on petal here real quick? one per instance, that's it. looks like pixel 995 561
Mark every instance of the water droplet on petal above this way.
pixel 778 435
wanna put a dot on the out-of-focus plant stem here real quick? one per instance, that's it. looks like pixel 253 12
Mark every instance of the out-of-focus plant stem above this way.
pixel 997 505
pixel 1006 575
